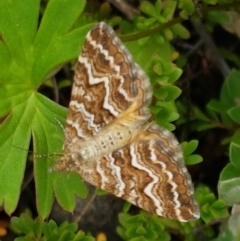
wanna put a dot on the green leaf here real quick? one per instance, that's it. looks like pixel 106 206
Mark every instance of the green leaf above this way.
pixel 45 128
pixel 151 234
pixel 38 227
pixel 200 115
pixel 88 238
pixel 158 6
pixel 123 218
pixel 220 17
pixel 147 8
pixel 147 227
pixel 181 31
pixel 229 184
pixel 30 55
pixel 234 113
pixel 219 204
pixel 173 92
pixel 158 68
pixel 234 155
pixel 160 93
pixel 189 147
pixel 165 115
pixel 24 239
pixel 140 53
pixel 50 229
pixel 101 192
pixel 139 239
pixel 175 74
pixel 230 90
pixel 126 207
pixel 121 232
pixel 169 9
pixel 212 2
pixel 193 159
pixel 234 222
pixel 200 126
pixel 140 230
pixel 66 186
pixel 168 34
pixel 236 137
pixel 208 198
pixel 52 45
pixel 188 8
pixel 13 27
pixel 39 230
pixel 218 212
pixel 12 159
pixel 24 224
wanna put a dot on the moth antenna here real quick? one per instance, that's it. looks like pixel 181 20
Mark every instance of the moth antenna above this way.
pixel 60 124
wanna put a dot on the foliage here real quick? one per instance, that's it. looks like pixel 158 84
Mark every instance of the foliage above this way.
pixel 228 108
pixel 30 230
pixel 230 231
pixel 188 148
pixel 145 227
pixel 28 56
pixel 141 227
pixel 224 113
pixel 42 51
pixel 211 207
pixel 150 227
pixel 31 52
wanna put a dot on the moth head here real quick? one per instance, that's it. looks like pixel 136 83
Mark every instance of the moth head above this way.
pixel 80 155
pixel 69 162
pixel 74 156
pixel 86 153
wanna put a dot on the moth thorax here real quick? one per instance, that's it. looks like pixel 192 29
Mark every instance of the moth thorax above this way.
pixel 107 141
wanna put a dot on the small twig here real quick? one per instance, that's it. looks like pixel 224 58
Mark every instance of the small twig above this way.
pixel 125 8
pixel 210 45
pixel 159 28
pixel 78 218
pixel 55 90
pixel 193 49
pixel 27 180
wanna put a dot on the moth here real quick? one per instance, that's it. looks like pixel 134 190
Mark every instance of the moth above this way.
pixel 109 140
